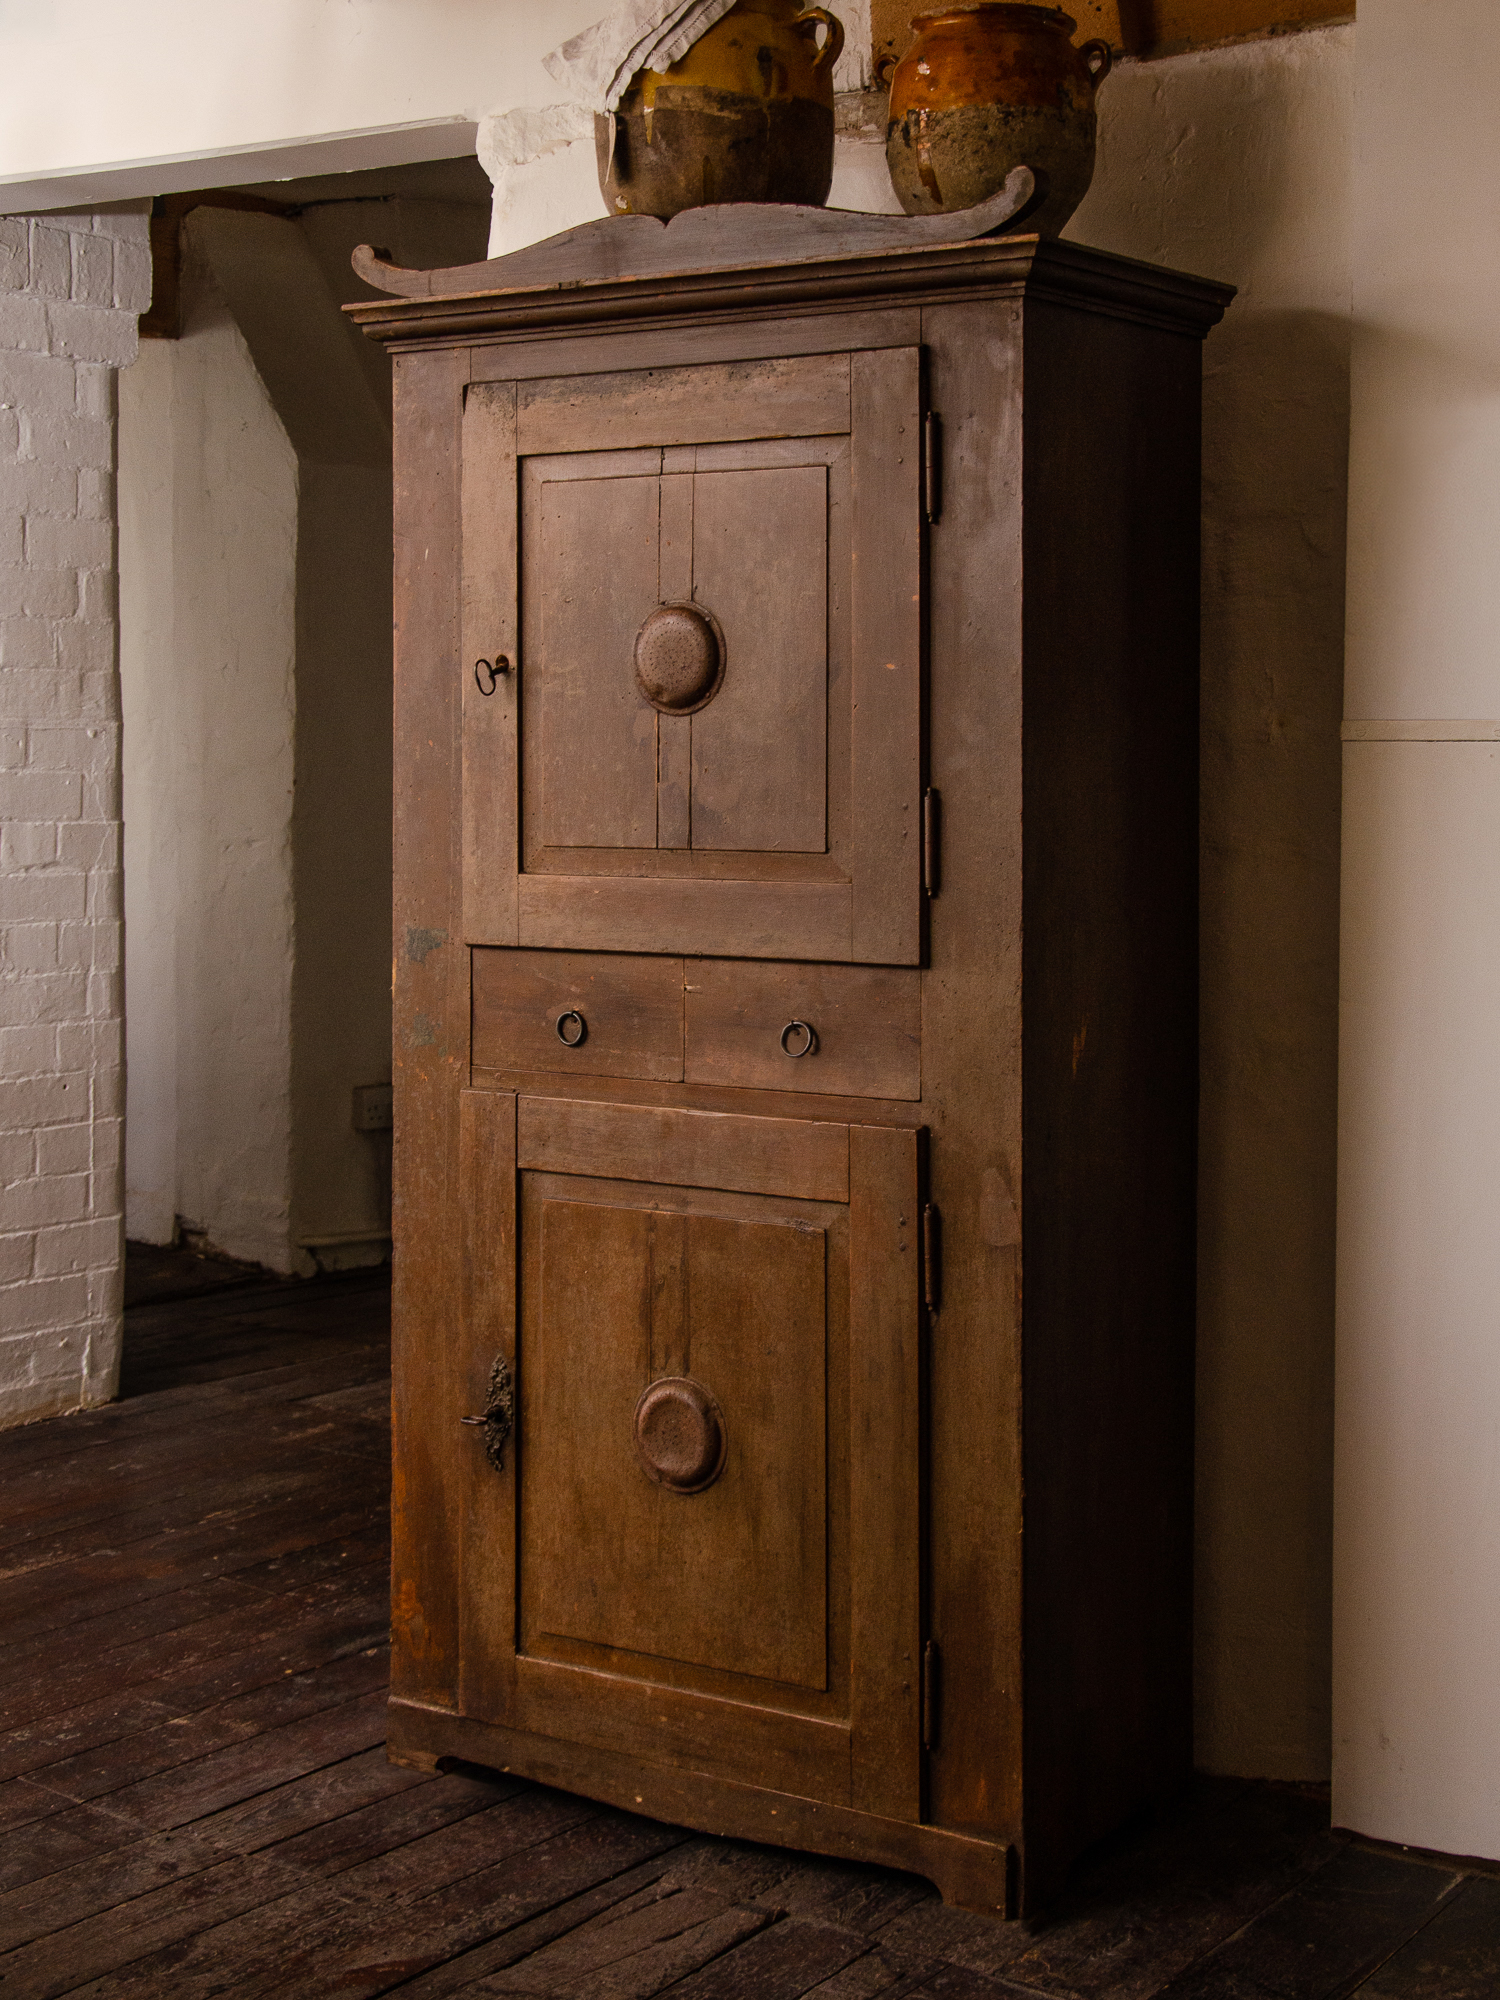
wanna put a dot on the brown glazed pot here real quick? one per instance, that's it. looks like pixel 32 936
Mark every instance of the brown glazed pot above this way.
pixel 747 115
pixel 986 87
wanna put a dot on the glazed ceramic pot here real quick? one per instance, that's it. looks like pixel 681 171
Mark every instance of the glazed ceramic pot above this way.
pixel 987 87
pixel 747 115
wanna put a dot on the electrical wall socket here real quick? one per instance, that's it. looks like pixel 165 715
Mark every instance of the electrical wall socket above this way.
pixel 372 1107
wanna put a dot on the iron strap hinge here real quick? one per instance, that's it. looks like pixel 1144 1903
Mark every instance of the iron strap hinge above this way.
pixel 932 467
pixel 931 1691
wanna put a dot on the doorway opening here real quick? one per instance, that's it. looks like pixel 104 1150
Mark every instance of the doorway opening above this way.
pixel 255 649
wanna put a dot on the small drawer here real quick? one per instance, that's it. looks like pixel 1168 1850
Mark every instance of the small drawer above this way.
pixel 845 1030
pixel 584 1013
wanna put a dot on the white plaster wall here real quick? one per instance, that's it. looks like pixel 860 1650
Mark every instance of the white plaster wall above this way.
pixel 1424 499
pixel 338 423
pixel 1417 1686
pixel 172 94
pixel 240 1100
pixel 234 691
pixel 333 388
pixel 1235 163
pixel 207 556
pixel 1417 1542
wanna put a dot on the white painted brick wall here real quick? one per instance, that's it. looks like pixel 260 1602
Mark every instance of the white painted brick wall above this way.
pixel 70 289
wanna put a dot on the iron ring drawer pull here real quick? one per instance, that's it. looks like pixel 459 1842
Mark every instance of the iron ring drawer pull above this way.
pixel 809 1039
pixel 568 1039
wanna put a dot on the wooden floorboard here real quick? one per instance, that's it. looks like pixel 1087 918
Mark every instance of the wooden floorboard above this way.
pixel 195 1799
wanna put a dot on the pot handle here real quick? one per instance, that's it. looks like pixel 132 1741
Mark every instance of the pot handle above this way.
pixel 1099 60
pixel 832 48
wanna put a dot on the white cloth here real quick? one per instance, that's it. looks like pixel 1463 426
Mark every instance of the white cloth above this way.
pixel 596 66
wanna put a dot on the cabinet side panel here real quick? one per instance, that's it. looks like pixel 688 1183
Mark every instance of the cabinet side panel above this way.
pixel 971 1053
pixel 1110 1067
pixel 431 1027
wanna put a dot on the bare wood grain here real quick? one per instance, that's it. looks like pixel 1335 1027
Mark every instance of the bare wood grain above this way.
pixel 760 753
pixel 1090 280
pixel 867 1024
pixel 704 1734
pixel 719 234
pixel 594 577
pixel 674 733
pixel 658 1937
pixel 885 1472
pixel 762 919
pixel 613 1559
pixel 685 1148
pixel 887 617
pixel 487 1183
pixel 971 1873
pixel 675 555
pixel 675 343
pixel 491 633
pixel 631 1009
pixel 430 1025
pixel 707 1097
pixel 674 781
pixel 671 1300
pixel 797 397
pixel 972 1000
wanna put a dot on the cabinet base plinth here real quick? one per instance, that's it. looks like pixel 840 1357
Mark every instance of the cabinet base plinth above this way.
pixel 969 1874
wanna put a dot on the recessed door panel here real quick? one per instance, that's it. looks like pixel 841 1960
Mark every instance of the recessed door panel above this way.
pixel 732 1577
pixel 595 774
pixel 760 748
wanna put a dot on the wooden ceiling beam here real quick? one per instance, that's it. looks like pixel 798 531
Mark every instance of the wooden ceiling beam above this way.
pixel 163 319
pixel 1145 27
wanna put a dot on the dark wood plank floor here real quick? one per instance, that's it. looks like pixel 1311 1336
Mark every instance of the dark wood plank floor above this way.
pixel 194 1798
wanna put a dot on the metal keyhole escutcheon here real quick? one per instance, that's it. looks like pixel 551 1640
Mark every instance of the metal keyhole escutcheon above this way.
pixel 499 1413
pixel 798 1039
pixel 680 1436
pixel 571 1028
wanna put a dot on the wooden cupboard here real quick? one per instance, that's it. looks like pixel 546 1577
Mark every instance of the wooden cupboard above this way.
pixel 796 824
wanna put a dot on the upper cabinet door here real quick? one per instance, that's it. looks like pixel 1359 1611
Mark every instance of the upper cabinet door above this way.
pixel 707 585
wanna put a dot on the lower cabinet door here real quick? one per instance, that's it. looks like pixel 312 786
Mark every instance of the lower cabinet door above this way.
pixel 702 1544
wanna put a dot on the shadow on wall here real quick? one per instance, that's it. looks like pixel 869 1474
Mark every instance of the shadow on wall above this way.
pixel 1235 163
pixel 255 511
